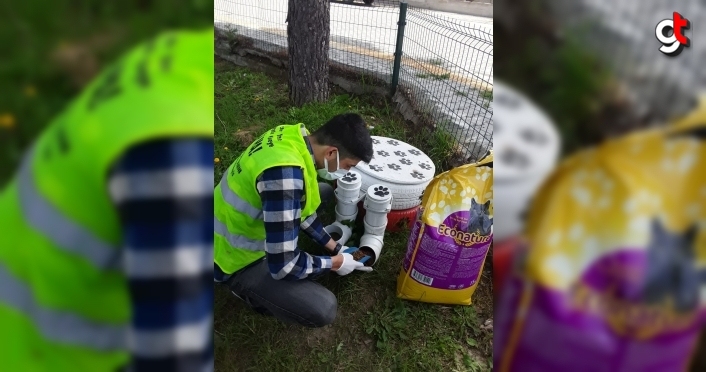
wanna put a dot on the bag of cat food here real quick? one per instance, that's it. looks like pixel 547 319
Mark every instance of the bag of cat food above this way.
pixel 451 236
pixel 615 264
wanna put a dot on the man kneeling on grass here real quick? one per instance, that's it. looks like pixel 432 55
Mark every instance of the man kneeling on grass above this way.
pixel 264 197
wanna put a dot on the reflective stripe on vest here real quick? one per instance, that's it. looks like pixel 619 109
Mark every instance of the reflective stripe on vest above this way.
pixel 237 241
pixel 59 326
pixel 64 233
pixel 235 201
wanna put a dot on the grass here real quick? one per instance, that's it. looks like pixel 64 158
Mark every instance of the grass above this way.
pixel 434 76
pixel 565 79
pixel 374 330
pixel 51 51
pixel 435 61
pixel 487 94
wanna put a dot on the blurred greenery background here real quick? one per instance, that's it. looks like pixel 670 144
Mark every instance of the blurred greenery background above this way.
pixel 51 49
pixel 536 54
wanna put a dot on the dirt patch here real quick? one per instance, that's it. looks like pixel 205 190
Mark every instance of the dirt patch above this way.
pixel 221 64
pixel 79 59
pixel 321 336
pixel 244 137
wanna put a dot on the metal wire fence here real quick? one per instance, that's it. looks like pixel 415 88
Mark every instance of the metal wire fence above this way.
pixel 362 38
pixel 450 64
pixel 446 62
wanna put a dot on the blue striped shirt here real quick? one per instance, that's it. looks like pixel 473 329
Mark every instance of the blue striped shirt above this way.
pixel 163 191
pixel 281 190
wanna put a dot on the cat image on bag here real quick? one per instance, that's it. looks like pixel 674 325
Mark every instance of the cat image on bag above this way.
pixel 671 270
pixel 479 222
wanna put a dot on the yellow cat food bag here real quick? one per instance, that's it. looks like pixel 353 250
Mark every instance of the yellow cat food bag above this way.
pixel 451 236
pixel 614 275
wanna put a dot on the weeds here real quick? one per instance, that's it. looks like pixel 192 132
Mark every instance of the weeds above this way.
pixel 445 76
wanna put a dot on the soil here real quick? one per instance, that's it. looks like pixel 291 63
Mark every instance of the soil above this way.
pixel 335 236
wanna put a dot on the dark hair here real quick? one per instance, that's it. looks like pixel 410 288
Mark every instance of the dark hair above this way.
pixel 349 134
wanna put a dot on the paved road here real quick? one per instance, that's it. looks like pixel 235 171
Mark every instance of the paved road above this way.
pixel 448 57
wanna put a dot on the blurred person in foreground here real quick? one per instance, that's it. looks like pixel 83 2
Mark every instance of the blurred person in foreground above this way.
pixel 271 191
pixel 106 245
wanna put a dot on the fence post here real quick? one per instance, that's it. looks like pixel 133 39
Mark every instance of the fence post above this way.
pixel 398 46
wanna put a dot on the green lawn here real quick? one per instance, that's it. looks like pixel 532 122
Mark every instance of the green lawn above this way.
pixel 51 49
pixel 374 331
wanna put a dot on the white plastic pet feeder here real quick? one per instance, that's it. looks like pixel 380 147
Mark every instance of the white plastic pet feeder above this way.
pixel 402 168
pixel 347 196
pixel 374 244
pixel 377 204
pixel 339 229
pixel 348 187
pixel 526 145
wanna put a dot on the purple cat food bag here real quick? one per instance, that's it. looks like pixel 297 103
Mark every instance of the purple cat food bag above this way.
pixel 615 266
pixel 451 236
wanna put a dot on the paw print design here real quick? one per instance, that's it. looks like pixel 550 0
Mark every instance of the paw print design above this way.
pixel 381 191
pixel 406 161
pixel 376 141
pixel 349 177
pixel 393 142
pixel 383 153
pixel 417 175
pixel 376 168
pixel 415 152
pixel 394 166
pixel 425 166
pixel 400 154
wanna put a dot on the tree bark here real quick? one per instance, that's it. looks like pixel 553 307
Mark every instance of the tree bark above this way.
pixel 308 39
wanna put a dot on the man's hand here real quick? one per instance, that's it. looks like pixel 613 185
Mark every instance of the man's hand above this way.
pixel 344 263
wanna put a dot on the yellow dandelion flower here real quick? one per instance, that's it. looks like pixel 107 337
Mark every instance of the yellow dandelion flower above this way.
pixel 216 160
pixel 30 91
pixel 7 121
pixel 225 148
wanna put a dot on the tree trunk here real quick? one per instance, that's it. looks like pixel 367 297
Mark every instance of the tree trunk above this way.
pixel 308 39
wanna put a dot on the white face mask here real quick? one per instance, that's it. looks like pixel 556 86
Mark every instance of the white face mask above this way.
pixel 338 173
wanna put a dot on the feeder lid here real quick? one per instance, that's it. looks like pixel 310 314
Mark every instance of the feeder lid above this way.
pixel 397 162
pixel 379 193
pixel 525 140
pixel 350 180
